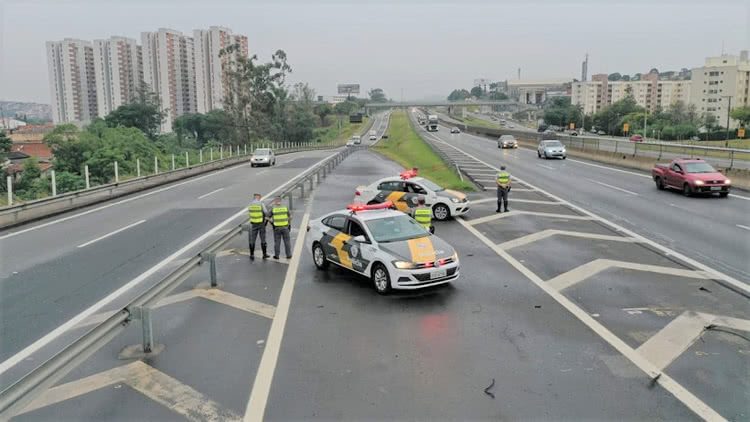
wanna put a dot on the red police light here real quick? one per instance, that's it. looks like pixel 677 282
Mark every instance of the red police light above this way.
pixel 360 207
pixel 408 174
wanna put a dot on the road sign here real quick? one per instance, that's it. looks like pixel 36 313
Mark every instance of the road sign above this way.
pixel 741 132
pixel 348 89
pixel 625 127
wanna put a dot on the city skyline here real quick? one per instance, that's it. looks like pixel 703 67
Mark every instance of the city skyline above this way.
pixel 425 64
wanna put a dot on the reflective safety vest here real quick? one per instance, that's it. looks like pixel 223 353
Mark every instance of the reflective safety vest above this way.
pixel 503 179
pixel 423 216
pixel 256 213
pixel 280 216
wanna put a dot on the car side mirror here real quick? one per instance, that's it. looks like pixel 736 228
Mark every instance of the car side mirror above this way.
pixel 360 239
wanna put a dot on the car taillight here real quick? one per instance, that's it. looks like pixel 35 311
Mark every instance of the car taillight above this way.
pixel 357 193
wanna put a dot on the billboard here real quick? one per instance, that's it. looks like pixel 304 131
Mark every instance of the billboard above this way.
pixel 348 89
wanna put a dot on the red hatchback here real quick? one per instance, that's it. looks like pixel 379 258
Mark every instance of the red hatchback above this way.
pixel 636 138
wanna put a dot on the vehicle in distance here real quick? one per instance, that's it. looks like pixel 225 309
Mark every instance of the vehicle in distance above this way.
pixel 507 141
pixel 510 126
pixel 691 176
pixel 263 157
pixel 432 123
pixel 551 149
pixel 455 130
pixel 383 244
pixel 636 138
pixel 350 143
pixel 373 138
pixel 403 191
pixel 357 139
pixel 385 136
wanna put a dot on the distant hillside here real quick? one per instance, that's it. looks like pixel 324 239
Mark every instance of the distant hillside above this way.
pixel 41 112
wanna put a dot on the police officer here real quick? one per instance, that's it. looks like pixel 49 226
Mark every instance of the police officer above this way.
pixel 258 218
pixel 423 215
pixel 280 219
pixel 503 187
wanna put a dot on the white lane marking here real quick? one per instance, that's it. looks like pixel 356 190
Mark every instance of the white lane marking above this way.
pixel 493 217
pixel 52 335
pixel 210 193
pixel 739 197
pixel 547 167
pixel 677 390
pixel 535 237
pixel 743 227
pixel 256 404
pixel 112 233
pixel 614 187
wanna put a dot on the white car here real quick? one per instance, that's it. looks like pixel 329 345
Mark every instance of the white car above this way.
pixel 263 157
pixel 373 138
pixel 403 191
pixel 357 139
pixel 551 149
pixel 350 143
pixel 455 130
pixel 385 245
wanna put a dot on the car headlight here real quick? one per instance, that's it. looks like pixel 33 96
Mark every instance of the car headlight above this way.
pixel 455 200
pixel 454 257
pixel 404 265
pixel 728 182
pixel 699 182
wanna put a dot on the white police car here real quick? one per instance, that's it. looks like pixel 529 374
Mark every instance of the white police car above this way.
pixel 383 244
pixel 404 189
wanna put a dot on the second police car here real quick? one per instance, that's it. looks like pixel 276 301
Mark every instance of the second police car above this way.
pixel 383 244
pixel 404 189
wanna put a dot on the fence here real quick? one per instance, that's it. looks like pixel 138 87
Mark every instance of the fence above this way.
pixel 15 397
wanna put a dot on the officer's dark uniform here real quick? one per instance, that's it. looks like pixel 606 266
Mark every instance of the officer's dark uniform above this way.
pixel 503 186
pixel 280 219
pixel 258 214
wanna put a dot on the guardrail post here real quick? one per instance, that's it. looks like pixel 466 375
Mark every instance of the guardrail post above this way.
pixel 187 160
pixel 290 197
pixel 312 176
pixel 212 269
pixel 302 189
pixel 221 152
pixel 156 165
pixel 54 182
pixel 661 148
pixel 200 155
pixel 238 150
pixel 86 175
pixel 172 161
pixel 138 167
pixel 325 168
pixel 245 149
pixel 731 159
pixel 117 173
pixel 148 330
pixel 9 186
pixel 635 149
pixel 211 154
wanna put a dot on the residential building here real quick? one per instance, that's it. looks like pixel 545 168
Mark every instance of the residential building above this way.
pixel 169 70
pixel 72 80
pixel 721 79
pixel 118 64
pixel 671 92
pixel 589 95
pixel 210 64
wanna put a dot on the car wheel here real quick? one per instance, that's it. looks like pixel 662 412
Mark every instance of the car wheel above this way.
pixel 686 190
pixel 539 154
pixel 723 194
pixel 659 183
pixel 319 256
pixel 381 279
pixel 441 212
pixel 565 156
pixel 252 165
pixel 545 155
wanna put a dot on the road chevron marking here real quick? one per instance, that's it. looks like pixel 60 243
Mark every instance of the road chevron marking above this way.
pixel 554 232
pixel 530 201
pixel 677 336
pixel 147 380
pixel 493 217
pixel 578 274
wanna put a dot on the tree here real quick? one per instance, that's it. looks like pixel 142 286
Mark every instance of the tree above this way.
pixel 477 92
pixel 498 96
pixel 625 77
pixel 742 114
pixel 377 95
pixel 69 182
pixel 5 144
pixel 68 151
pixel 144 113
pixel 614 76
pixel 301 118
pixel 559 111
pixel 459 95
pixel 322 110
pixel 345 108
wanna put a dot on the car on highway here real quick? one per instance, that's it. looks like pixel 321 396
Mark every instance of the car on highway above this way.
pixel 404 189
pixel 636 138
pixel 510 126
pixel 691 176
pixel 385 136
pixel 350 143
pixel 357 139
pixel 507 141
pixel 373 138
pixel 263 157
pixel 383 244
pixel 455 130
pixel 551 149
pixel 601 132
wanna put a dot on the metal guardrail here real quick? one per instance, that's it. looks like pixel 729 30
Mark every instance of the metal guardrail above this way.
pixel 14 398
pixel 721 157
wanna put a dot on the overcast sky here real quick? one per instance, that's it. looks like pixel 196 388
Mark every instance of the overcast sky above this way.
pixel 426 48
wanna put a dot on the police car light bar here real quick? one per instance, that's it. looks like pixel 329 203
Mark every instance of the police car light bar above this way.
pixel 360 207
pixel 408 174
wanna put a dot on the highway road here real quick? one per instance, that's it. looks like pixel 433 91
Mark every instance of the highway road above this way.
pixel 53 269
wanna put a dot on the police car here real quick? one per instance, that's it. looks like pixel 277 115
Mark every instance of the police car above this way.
pixel 404 189
pixel 383 244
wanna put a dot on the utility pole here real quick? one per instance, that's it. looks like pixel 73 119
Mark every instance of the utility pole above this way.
pixel 729 109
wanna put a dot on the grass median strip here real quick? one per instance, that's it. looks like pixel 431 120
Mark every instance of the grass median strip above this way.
pixel 405 147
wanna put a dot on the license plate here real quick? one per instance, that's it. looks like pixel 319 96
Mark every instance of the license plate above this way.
pixel 438 274
pixel 715 187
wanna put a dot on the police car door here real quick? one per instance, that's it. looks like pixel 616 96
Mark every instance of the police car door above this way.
pixel 359 253
pixel 334 237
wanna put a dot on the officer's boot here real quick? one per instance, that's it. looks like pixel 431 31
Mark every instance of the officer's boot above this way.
pixel 252 251
pixel 263 248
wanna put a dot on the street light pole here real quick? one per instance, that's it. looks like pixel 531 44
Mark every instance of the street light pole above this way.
pixel 729 108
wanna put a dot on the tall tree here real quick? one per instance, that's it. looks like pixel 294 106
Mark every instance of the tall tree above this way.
pixel 143 113
pixel 459 95
pixel 323 110
pixel 377 95
pixel 477 91
pixel 742 114
pixel 5 144
pixel 614 76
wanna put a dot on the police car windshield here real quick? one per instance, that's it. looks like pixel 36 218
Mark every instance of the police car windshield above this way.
pixel 395 229
pixel 431 186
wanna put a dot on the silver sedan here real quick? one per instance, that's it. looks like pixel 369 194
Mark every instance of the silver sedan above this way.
pixel 551 149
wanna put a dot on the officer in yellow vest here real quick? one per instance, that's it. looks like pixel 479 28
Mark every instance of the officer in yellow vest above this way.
pixel 258 214
pixel 423 215
pixel 503 187
pixel 281 219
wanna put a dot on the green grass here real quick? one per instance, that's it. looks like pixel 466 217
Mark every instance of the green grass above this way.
pixel 338 136
pixel 405 147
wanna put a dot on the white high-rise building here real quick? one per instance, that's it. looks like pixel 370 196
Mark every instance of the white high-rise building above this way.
pixel 169 71
pixel 722 80
pixel 210 64
pixel 118 65
pixel 72 82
